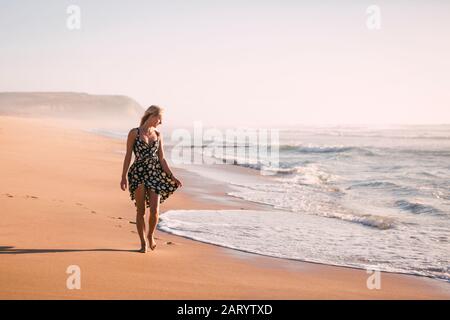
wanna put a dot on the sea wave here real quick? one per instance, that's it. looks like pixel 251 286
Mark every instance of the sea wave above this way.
pixel 298 147
pixel 310 148
pixel 417 208
pixel 318 209
pixel 386 136
pixel 296 236
pixel 396 188
pixel 378 222
pixel 373 184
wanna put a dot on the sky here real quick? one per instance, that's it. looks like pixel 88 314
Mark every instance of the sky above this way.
pixel 256 63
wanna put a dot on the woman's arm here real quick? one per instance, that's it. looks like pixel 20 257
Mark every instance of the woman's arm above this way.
pixel 163 161
pixel 126 162
pixel 161 156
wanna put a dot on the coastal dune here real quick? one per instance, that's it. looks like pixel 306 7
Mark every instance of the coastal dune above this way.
pixel 61 206
pixel 109 111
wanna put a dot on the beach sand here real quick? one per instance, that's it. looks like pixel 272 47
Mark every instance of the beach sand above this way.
pixel 61 205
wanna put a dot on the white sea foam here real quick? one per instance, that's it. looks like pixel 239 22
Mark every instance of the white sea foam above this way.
pixel 312 238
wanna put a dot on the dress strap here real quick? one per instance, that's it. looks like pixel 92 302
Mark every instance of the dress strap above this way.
pixel 137 136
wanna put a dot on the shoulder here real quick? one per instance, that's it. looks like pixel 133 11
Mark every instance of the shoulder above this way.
pixel 133 133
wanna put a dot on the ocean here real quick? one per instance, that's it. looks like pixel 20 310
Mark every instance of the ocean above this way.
pixel 375 198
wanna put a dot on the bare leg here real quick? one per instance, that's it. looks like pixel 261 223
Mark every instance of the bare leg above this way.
pixel 154 216
pixel 140 214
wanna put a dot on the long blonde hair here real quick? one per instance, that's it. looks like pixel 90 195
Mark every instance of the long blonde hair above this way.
pixel 153 110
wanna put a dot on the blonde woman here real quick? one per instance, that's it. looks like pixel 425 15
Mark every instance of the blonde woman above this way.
pixel 150 179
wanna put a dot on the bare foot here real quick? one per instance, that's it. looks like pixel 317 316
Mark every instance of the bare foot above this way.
pixel 152 242
pixel 143 248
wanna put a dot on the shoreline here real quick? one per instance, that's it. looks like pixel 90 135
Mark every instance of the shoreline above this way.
pixel 250 275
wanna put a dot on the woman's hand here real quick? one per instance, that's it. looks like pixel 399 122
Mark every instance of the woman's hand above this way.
pixel 178 182
pixel 123 183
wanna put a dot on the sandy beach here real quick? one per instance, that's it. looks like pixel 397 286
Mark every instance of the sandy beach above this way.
pixel 61 205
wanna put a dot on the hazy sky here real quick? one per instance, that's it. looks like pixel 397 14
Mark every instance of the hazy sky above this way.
pixel 226 62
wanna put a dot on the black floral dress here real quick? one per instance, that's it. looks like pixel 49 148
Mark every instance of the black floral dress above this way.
pixel 147 169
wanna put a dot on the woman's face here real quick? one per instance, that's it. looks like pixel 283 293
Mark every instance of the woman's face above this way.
pixel 159 119
pixel 155 120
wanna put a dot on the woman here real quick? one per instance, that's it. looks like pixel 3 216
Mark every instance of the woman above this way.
pixel 150 179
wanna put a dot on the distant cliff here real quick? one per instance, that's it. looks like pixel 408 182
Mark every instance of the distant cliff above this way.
pixel 70 105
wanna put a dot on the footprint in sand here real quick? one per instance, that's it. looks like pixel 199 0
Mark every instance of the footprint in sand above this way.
pixel 9 195
pixel 32 197
pixel 170 243
pixel 84 207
